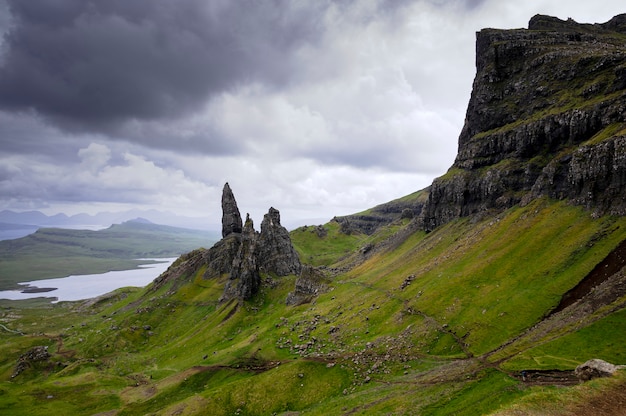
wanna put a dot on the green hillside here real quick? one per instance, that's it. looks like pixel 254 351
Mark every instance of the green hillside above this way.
pixel 479 295
pixel 438 323
pixel 57 252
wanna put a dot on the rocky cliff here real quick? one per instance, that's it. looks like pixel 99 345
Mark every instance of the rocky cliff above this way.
pixel 547 117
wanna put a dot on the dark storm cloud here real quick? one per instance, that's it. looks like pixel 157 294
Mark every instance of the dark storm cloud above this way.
pixel 94 64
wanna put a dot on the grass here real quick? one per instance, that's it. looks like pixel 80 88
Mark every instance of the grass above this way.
pixel 373 344
pixel 612 130
pixel 482 284
pixel 490 391
pixel 324 250
pixel 594 341
pixel 594 398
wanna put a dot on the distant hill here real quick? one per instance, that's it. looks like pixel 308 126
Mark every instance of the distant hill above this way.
pixel 29 221
pixel 58 252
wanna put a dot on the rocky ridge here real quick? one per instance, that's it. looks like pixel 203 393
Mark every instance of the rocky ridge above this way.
pixel 547 117
pixel 371 220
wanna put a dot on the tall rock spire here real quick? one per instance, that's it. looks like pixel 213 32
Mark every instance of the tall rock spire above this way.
pixel 231 218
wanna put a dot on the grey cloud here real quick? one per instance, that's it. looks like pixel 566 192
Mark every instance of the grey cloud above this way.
pixel 93 64
pixel 466 4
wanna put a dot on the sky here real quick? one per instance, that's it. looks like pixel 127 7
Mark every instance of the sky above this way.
pixel 317 108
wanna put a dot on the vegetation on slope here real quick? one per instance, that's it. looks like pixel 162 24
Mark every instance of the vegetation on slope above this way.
pixel 434 324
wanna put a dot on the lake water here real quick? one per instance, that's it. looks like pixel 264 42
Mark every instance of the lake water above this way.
pixel 87 286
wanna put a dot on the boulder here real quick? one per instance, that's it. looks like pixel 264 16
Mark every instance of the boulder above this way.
pixel 595 368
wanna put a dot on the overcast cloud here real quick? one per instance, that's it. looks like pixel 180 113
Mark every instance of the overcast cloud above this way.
pixel 318 108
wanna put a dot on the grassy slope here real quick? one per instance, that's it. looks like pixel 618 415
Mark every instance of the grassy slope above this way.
pixel 372 345
pixel 56 252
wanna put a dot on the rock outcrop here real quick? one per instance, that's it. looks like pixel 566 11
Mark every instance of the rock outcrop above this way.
pixel 547 117
pixel 244 280
pixel 269 252
pixel 241 257
pixel 36 354
pixel 276 253
pixel 309 284
pixel 384 214
pixel 231 218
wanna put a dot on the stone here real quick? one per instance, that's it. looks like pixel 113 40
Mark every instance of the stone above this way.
pixel 595 368
pixel 231 218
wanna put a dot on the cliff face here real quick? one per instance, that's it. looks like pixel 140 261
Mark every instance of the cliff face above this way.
pixel 547 117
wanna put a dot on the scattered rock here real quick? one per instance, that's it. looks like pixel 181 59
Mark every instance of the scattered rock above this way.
pixel 321 231
pixel 35 354
pixel 407 281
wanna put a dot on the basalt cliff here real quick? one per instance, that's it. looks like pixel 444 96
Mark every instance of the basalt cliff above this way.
pixel 546 117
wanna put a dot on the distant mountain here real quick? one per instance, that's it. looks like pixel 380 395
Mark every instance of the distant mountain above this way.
pixel 31 218
pixel 19 224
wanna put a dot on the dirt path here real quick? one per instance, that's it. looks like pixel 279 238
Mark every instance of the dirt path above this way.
pixel 60 347
pixel 10 330
pixel 548 377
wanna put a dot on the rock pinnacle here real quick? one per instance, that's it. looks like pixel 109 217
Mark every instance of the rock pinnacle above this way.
pixel 231 218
